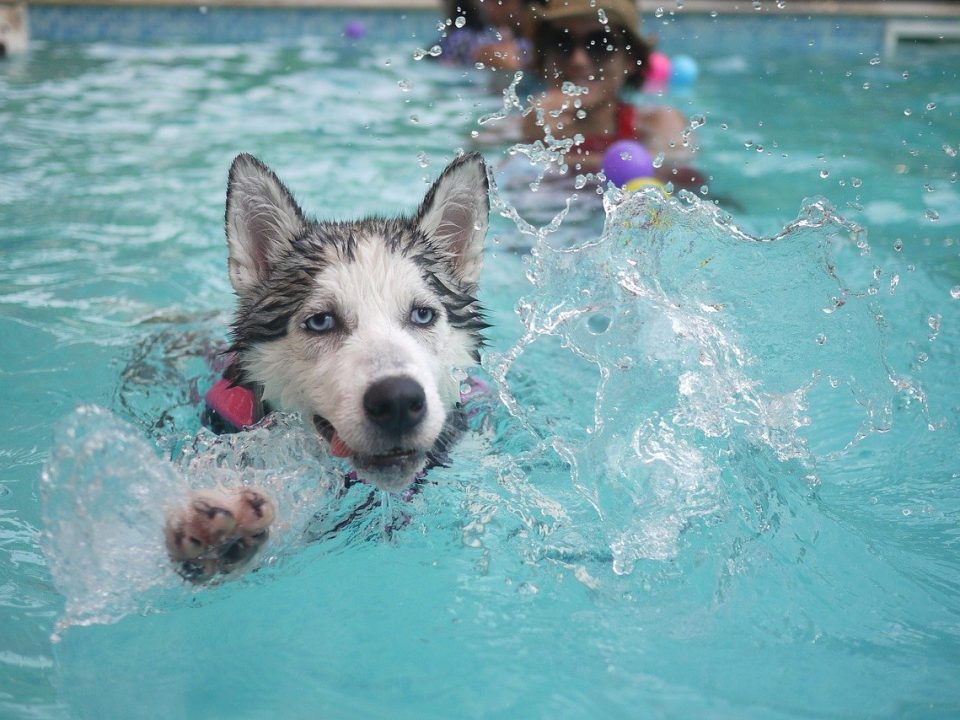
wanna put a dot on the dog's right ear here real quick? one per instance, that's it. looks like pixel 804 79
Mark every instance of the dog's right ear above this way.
pixel 262 220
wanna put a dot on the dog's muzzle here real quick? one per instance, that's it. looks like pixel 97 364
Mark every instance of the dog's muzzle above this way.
pixel 395 405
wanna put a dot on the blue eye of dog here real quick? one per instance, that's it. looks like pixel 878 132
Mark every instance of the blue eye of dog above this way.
pixel 422 316
pixel 320 323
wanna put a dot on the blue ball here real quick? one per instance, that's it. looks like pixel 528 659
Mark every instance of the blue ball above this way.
pixel 684 71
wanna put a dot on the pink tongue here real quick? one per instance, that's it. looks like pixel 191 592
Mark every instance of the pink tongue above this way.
pixel 338 447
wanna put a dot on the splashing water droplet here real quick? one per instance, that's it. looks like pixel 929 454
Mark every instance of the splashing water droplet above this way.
pixel 697 121
pixel 932 215
pixel 598 324
pixel 658 160
pixel 460 21
pixel 955 292
pixel 894 281
pixel 950 150
pixel 875 60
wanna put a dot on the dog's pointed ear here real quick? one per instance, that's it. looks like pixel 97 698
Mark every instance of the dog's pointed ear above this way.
pixel 455 212
pixel 262 220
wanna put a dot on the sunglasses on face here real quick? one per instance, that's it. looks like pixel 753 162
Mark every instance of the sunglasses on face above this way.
pixel 599 45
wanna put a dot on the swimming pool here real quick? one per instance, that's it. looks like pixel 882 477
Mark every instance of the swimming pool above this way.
pixel 721 477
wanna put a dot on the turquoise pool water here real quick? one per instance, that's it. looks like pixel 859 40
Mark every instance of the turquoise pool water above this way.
pixel 720 477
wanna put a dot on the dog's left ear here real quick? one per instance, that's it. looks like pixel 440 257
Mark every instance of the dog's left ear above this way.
pixel 455 212
pixel 262 221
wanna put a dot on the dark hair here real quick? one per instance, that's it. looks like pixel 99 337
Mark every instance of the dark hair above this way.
pixel 638 50
pixel 470 11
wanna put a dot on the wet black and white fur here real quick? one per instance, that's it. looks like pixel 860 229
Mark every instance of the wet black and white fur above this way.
pixel 361 326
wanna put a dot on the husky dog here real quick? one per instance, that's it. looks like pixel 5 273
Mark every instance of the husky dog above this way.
pixel 360 326
pixel 13 28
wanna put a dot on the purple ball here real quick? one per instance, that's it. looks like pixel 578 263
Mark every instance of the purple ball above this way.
pixel 354 30
pixel 626 160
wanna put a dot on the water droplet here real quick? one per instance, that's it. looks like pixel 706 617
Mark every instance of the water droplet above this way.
pixel 821 339
pixel 931 106
pixel 932 215
pixel 414 119
pixel 658 160
pixel 866 86
pixel 875 60
pixel 460 21
pixel 658 12
pixel 757 5
pixel 907 512
pixel 714 14
pixel 898 244
pixel 404 85
pixel 955 292
pixel 856 182
pixel 598 324
pixel 894 281
pixel 419 54
pixel 697 121
pixel 723 126
pixel 907 112
pixel 748 144
pixel 387 62
pixel 950 150
pixel 824 173
pixel 905 75
pixel 933 322
pixel 759 148
pixel 781 4
pixel 423 159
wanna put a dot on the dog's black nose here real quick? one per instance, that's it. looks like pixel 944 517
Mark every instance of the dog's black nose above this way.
pixel 395 404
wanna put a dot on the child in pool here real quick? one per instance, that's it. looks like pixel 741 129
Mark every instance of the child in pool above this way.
pixel 494 32
pixel 573 44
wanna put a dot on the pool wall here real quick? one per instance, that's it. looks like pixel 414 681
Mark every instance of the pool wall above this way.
pixel 771 31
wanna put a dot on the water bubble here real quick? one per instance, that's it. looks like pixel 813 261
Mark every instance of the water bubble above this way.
pixel 898 244
pixel 404 85
pixel 907 112
pixel 387 62
pixel 414 120
pixel 598 324
pixel 697 121
pixel 866 86
pixel 658 12
pixel 931 106
pixel 821 339
pixel 950 150
pixel 932 215
pixel 442 25
pixel 759 148
pixel 894 281
pixel 757 5
pixel 658 160
pixel 748 144
pixel 875 60
pixel 856 182
pixel 419 54
pixel 460 21
pixel 824 173
pixel 423 159
pixel 714 14
pixel 905 75
pixel 933 322
pixel 955 292
pixel 781 4
pixel 723 126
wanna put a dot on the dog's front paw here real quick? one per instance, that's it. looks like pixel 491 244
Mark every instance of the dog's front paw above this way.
pixel 218 531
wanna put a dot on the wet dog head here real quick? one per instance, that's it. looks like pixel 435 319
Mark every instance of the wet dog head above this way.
pixel 361 326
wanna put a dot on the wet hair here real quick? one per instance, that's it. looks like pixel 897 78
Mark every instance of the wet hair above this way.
pixel 470 10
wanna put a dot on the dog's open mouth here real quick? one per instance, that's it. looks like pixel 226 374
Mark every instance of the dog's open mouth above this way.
pixel 393 458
